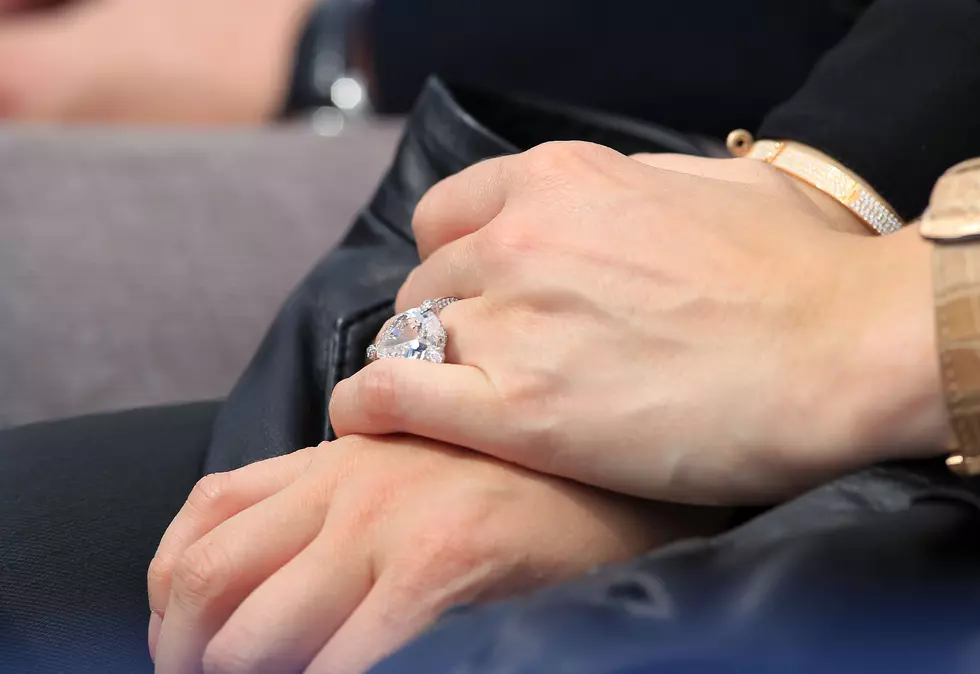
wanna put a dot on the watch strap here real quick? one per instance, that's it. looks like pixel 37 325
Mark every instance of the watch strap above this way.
pixel 952 222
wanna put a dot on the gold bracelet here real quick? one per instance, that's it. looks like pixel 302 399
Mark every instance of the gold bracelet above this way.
pixel 817 169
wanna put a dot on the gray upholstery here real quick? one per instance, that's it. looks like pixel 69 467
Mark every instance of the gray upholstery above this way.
pixel 141 267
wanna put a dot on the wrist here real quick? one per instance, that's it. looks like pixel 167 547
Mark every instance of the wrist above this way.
pixel 812 167
pixel 898 407
pixel 838 217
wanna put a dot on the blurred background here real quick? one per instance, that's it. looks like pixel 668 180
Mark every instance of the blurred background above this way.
pixel 169 169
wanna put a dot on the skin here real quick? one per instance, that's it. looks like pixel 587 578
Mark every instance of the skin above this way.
pixel 725 332
pixel 718 338
pixel 325 560
pixel 134 61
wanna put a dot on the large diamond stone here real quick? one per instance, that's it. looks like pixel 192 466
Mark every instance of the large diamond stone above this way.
pixel 414 334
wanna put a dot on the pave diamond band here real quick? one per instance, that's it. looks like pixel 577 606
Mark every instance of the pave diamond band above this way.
pixel 416 334
pixel 820 171
pixel 436 305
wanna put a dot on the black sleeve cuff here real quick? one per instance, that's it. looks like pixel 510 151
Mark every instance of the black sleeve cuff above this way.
pixel 699 65
pixel 898 101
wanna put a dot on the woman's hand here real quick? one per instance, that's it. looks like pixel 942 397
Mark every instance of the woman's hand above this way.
pixel 660 333
pixel 327 559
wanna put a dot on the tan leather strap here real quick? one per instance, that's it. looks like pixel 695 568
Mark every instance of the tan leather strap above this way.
pixel 953 223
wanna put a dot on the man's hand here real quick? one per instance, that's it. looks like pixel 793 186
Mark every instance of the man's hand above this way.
pixel 327 559
pixel 148 61
pixel 658 332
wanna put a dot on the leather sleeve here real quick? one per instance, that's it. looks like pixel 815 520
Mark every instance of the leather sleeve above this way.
pixel 897 101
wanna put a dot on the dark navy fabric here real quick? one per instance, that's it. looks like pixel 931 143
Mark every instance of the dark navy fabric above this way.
pixel 885 584
pixel 698 66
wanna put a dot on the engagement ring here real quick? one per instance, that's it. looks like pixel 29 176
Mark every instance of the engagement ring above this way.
pixel 417 334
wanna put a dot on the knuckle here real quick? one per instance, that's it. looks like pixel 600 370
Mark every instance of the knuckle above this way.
pixel 339 406
pixel 158 573
pixel 421 221
pixel 201 575
pixel 509 238
pixel 379 397
pixel 552 158
pixel 560 157
pixel 427 210
pixel 210 492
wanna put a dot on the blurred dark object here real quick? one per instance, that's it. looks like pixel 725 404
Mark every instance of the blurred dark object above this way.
pixel 701 65
pixel 333 61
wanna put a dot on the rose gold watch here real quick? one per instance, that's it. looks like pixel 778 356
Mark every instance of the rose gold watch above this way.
pixel 952 223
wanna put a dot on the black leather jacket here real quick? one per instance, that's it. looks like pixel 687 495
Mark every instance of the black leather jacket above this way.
pixel 878 571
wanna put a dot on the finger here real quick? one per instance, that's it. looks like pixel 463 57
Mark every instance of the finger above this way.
pixel 373 632
pixel 282 625
pixel 215 499
pixel 217 573
pixel 456 404
pixel 462 204
pixel 454 270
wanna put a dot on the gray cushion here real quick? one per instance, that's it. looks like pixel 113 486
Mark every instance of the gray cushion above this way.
pixel 141 267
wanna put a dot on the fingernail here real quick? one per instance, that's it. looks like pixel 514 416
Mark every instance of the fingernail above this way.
pixel 153 635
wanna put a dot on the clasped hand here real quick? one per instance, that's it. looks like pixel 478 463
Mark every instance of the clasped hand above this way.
pixel 654 327
pixel 325 560
pixel 683 329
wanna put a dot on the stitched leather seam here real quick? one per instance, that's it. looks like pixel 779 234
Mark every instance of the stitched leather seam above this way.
pixel 341 345
pixel 342 332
